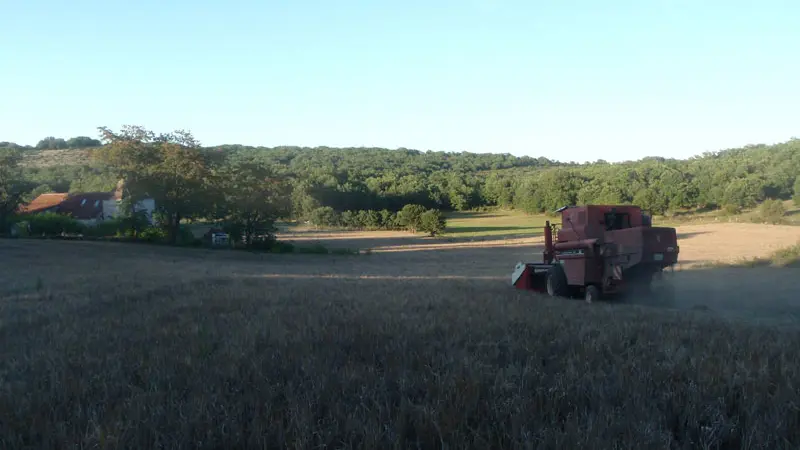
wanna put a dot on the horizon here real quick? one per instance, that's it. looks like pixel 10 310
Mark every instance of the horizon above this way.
pixel 618 82
pixel 558 161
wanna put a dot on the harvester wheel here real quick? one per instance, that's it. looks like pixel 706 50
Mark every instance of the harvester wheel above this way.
pixel 592 294
pixel 557 282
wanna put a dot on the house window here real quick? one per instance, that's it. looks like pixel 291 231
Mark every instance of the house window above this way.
pixel 96 203
pixel 83 202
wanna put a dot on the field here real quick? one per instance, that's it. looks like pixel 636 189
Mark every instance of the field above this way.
pixel 420 343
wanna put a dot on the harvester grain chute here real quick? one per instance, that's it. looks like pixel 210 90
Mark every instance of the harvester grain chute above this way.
pixel 600 251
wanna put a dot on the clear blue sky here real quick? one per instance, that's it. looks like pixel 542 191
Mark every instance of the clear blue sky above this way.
pixel 571 80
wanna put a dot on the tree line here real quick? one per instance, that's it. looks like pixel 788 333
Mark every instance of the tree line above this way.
pixel 353 187
pixel 54 143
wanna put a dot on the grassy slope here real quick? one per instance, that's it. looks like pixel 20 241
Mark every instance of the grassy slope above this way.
pixel 50 158
pixel 495 224
pixel 142 347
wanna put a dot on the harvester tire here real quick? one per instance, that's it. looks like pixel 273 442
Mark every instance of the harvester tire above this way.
pixel 557 282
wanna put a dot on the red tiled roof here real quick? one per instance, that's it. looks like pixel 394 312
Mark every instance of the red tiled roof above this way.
pixel 80 206
pixel 85 206
pixel 43 202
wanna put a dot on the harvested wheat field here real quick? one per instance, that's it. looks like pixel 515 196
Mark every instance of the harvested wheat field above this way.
pixel 135 346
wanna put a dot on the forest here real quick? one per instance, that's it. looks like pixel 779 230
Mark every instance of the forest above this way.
pixel 333 185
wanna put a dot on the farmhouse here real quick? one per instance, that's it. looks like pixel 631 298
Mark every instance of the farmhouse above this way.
pixel 88 208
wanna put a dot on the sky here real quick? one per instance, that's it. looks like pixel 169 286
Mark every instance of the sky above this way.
pixel 571 80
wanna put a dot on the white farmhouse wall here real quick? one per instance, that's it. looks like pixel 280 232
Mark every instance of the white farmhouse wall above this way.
pixel 149 206
pixel 111 208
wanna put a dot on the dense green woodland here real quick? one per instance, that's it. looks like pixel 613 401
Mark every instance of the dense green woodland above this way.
pixel 352 179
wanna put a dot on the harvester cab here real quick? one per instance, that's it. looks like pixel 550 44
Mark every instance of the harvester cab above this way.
pixel 599 251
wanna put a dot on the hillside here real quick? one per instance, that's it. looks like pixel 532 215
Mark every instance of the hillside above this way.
pixel 376 178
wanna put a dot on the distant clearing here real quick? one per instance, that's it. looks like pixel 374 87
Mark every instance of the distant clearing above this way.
pixel 699 243
pixel 53 158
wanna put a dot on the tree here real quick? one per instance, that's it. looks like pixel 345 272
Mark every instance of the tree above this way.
pixel 51 143
pixel 169 168
pixel 388 219
pixel 83 142
pixel 370 219
pixel 324 216
pixel 432 222
pixel 252 199
pixel 11 186
pixel 410 217
pixel 772 211
pixel 796 197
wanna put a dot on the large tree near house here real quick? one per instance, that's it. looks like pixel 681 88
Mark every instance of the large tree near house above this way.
pixel 11 188
pixel 251 197
pixel 169 168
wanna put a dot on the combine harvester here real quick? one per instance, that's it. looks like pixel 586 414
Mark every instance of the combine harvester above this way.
pixel 601 251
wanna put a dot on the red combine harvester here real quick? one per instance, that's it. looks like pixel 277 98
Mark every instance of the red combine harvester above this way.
pixel 598 251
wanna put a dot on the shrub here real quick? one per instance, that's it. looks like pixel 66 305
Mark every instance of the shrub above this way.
pixel 349 219
pixel 52 224
pixel 796 197
pixel 324 217
pixel 153 234
pixel 432 222
pixel 772 211
pixel 787 257
pixel 410 217
pixel 113 227
pixel 731 210
pixel 388 219
pixel 370 219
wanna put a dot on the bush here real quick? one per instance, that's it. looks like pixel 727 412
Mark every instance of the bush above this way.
pixel 106 228
pixel 153 234
pixel 370 219
pixel 388 219
pixel 410 217
pixel 731 210
pixel 324 217
pixel 349 219
pixel 796 197
pixel 52 224
pixel 432 222
pixel 772 211
pixel 787 257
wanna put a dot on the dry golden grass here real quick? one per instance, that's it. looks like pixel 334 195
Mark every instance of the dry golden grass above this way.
pixel 731 242
pixel 49 158
pixel 127 346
